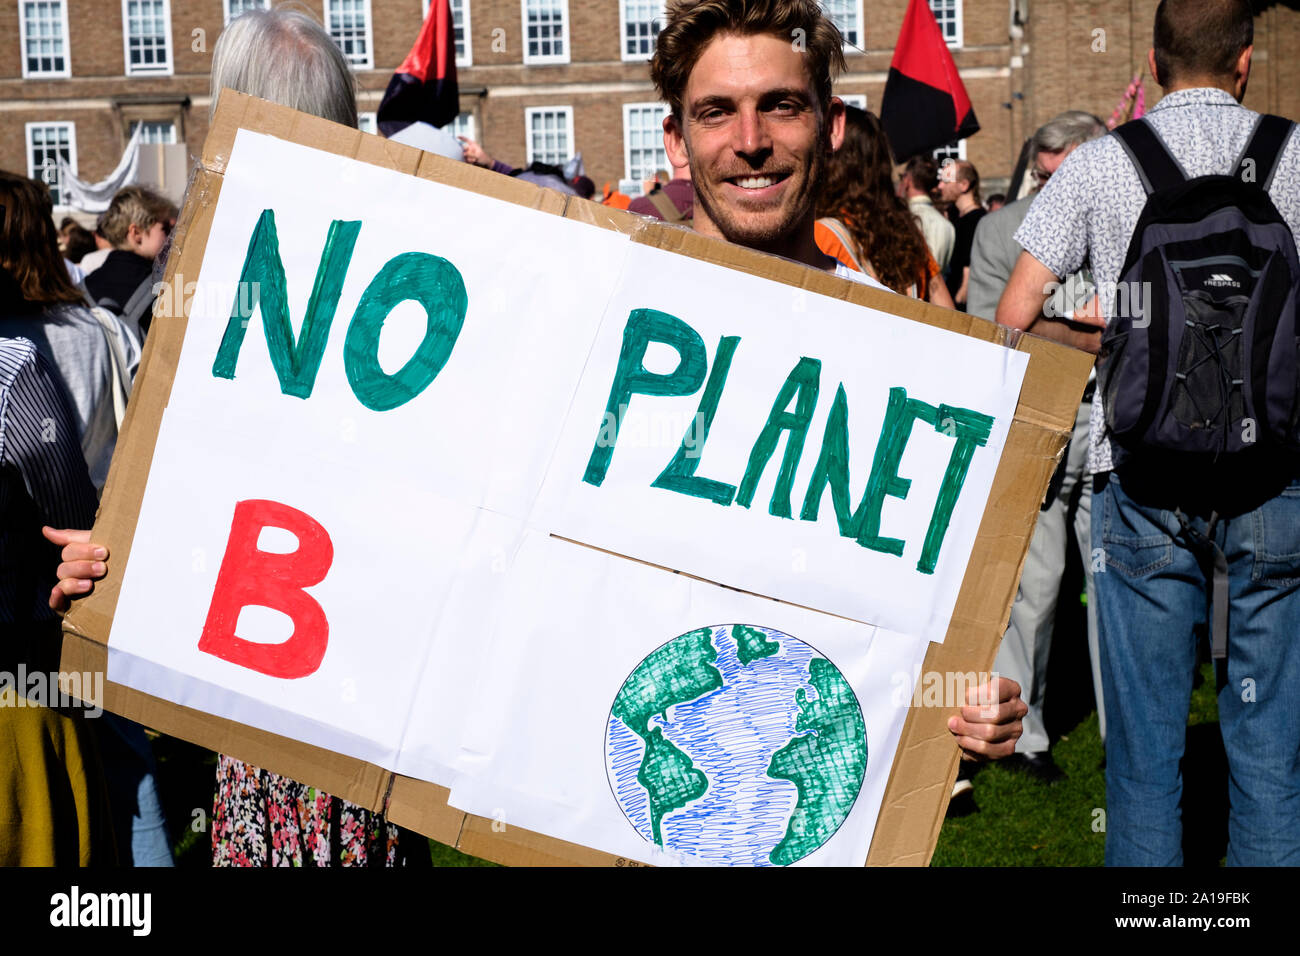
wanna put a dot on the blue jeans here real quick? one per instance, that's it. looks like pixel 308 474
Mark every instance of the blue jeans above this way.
pixel 1153 606
pixel 129 767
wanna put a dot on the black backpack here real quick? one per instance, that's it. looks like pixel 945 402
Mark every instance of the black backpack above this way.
pixel 1201 355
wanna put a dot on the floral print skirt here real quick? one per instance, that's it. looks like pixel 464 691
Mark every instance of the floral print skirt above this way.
pixel 260 818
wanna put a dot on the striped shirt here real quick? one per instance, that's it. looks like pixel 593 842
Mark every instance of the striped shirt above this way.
pixel 43 480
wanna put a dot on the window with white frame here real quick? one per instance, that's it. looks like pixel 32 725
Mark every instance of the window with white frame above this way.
pixel 945 154
pixel 546 31
pixel 463 125
pixel 155 131
pixel 44 28
pixel 460 23
pixel 640 21
pixel 550 134
pixel 947 13
pixel 847 15
pixel 146 35
pixel 854 99
pixel 368 122
pixel 46 142
pixel 643 140
pixel 235 7
pixel 348 23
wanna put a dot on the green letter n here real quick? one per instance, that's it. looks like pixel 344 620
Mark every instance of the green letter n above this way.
pixel 262 283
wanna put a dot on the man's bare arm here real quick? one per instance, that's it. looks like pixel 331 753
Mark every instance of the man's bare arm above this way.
pixel 1021 307
pixel 939 295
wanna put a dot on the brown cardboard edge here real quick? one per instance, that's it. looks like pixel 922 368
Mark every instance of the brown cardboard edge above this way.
pixel 354 780
pixel 912 809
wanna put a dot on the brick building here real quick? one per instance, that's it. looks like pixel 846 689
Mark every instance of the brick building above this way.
pixel 541 79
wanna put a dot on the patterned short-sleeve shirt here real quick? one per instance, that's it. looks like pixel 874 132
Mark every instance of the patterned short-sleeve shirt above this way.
pixel 1088 209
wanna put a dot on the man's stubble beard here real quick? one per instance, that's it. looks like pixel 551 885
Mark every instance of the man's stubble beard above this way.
pixel 734 232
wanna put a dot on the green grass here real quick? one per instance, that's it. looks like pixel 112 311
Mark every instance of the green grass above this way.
pixel 1022 822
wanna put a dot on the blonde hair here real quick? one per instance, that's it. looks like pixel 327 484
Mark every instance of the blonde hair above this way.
pixel 134 206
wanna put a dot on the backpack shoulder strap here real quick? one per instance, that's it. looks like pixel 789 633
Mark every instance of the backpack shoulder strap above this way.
pixel 841 232
pixel 1264 149
pixel 138 305
pixel 1155 167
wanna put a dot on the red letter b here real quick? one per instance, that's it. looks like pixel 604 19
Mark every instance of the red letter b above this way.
pixel 266 579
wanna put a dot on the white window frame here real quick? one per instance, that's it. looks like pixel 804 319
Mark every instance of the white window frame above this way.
pixel 157 122
pixel 465 125
pixel 368 122
pixel 957 40
pixel 623 37
pixel 369 62
pixel 163 70
pixel 529 112
pixel 32 171
pixel 854 99
pixel 225 7
pixel 627 142
pixel 22 41
pixel 540 59
pixel 855 44
pixel 466 58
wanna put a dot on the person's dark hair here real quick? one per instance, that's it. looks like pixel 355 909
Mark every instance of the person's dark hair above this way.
pixel 997 199
pixel 1200 38
pixel 924 173
pixel 77 242
pixel 29 248
pixel 584 186
pixel 692 24
pixel 859 190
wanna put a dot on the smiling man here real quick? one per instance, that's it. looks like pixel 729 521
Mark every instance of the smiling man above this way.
pixel 751 113
pixel 748 85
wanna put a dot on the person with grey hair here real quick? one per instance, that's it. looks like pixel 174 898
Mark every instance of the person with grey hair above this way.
pixel 262 818
pixel 286 57
pixel 1028 641
pixel 994 252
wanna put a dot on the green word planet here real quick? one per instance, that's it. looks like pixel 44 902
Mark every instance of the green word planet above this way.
pixel 738 745
pixel 968 429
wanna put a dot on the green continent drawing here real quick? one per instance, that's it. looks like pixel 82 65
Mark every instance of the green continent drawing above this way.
pixel 825 765
pixel 680 671
pixel 669 777
pixel 752 644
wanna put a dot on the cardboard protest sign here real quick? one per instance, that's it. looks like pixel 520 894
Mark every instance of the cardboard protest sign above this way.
pixel 418 452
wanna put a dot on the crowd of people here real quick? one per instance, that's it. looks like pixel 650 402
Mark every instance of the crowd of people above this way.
pixel 763 156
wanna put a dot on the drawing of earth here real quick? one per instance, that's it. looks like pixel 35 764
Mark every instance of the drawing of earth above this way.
pixel 738 744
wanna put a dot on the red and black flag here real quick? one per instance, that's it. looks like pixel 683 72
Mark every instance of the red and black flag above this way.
pixel 424 88
pixel 925 105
